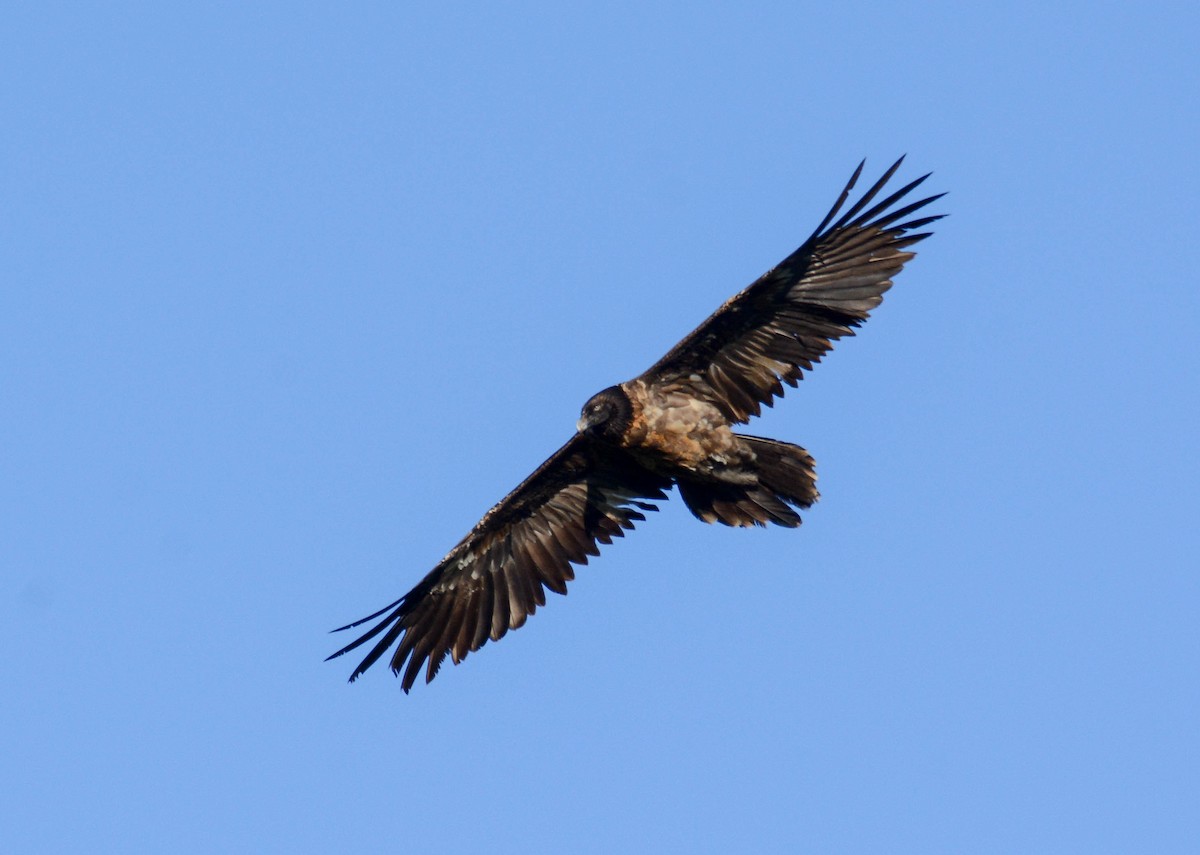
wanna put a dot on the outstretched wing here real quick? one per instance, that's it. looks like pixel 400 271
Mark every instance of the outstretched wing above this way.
pixel 585 493
pixel 789 318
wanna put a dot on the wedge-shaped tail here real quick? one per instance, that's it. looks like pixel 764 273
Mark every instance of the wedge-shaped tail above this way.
pixel 784 476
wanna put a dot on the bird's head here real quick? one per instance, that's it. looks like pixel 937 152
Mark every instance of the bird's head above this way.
pixel 606 415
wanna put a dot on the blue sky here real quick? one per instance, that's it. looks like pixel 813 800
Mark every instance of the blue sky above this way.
pixel 290 294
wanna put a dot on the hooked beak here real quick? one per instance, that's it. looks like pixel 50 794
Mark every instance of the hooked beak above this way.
pixel 587 421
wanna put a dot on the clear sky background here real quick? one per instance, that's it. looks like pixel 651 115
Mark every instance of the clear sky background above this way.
pixel 290 294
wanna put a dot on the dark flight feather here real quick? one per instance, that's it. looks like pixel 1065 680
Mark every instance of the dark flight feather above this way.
pixel 783 323
pixel 493 579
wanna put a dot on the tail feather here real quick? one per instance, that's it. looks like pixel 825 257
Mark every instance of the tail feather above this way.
pixel 784 476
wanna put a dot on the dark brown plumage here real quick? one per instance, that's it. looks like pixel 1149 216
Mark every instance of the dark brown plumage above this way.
pixel 670 425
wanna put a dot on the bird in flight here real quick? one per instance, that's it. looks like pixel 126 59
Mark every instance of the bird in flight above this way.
pixel 672 425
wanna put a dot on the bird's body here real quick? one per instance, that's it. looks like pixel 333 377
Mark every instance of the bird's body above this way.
pixel 671 430
pixel 671 425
